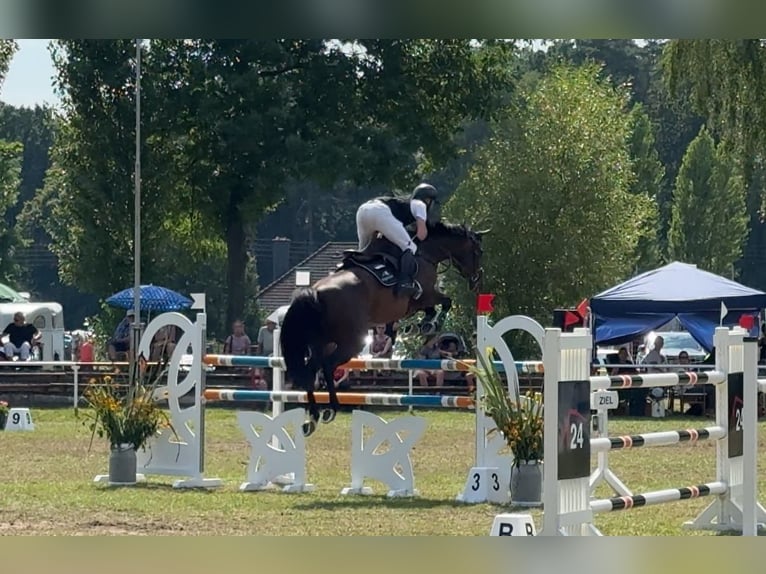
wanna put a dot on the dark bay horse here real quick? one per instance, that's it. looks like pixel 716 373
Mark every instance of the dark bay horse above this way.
pixel 326 323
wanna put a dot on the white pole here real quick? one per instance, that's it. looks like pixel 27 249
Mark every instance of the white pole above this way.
pixel 137 207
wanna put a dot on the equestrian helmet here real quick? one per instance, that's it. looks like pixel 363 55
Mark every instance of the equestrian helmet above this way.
pixel 425 191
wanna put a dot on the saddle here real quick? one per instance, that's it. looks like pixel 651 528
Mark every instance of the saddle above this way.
pixel 380 259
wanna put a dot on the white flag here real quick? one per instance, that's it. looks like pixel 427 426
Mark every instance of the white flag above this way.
pixel 724 311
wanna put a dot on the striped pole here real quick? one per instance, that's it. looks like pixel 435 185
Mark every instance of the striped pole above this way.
pixel 522 367
pixel 657 497
pixel 602 382
pixel 378 399
pixel 663 438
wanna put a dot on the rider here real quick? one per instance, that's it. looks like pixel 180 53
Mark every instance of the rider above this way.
pixel 390 216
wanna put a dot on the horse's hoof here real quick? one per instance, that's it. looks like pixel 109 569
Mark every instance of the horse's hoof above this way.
pixel 428 328
pixel 309 427
pixel 328 415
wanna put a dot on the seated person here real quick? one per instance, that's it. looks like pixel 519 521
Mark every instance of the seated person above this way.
pixel 120 341
pixel 430 350
pixel 163 342
pixel 21 337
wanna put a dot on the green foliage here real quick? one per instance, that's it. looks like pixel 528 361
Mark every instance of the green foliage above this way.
pixel 7 50
pixel 554 184
pixel 709 220
pixel 725 80
pixel 10 170
pixel 648 174
pixel 127 416
pixel 518 418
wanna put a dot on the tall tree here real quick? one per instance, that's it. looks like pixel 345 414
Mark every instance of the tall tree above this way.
pixel 648 173
pixel 259 114
pixel 10 170
pixel 725 80
pixel 554 184
pixel 709 222
pixel 227 125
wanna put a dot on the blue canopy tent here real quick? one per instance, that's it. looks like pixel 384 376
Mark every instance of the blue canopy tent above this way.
pixel 648 301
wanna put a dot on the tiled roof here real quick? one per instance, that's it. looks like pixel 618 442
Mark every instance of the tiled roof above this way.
pixel 320 263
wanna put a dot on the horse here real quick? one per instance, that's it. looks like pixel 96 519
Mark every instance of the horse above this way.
pixel 325 324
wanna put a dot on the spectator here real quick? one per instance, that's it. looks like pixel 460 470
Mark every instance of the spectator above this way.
pixel 430 350
pixel 238 343
pixel 381 346
pixel 121 339
pixel 21 337
pixel 163 342
pixel 265 340
pixel 655 356
pixel 623 358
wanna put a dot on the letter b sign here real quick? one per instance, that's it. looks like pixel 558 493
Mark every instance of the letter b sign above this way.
pixel 513 525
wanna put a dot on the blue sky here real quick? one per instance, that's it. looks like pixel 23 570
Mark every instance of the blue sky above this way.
pixel 30 76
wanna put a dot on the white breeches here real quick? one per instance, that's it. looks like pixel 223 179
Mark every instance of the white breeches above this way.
pixel 23 351
pixel 375 216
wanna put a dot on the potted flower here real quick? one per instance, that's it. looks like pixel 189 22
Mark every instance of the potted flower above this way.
pixel 3 414
pixel 519 419
pixel 127 415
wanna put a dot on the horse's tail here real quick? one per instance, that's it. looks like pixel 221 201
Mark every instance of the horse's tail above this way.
pixel 300 334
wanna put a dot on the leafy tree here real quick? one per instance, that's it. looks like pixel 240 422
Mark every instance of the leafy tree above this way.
pixel 10 168
pixel 260 114
pixel 648 174
pixel 554 184
pixel 725 80
pixel 709 221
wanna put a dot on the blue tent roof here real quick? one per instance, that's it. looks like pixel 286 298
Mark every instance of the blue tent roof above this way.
pixel 651 299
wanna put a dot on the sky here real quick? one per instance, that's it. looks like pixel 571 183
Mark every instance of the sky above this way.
pixel 30 77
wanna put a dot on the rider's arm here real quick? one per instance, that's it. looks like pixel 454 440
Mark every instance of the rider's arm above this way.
pixel 422 231
pixel 420 211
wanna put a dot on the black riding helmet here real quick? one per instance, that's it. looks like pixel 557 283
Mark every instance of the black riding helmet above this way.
pixel 425 191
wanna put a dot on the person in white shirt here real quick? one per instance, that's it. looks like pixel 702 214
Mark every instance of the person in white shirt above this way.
pixel 390 216
pixel 655 356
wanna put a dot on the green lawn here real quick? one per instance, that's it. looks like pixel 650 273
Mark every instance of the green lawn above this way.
pixel 46 485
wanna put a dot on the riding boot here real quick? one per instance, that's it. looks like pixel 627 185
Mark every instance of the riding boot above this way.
pixel 407 269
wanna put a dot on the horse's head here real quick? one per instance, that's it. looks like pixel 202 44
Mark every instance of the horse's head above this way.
pixel 462 246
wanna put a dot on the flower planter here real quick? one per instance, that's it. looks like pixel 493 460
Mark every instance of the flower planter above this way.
pixel 122 465
pixel 527 484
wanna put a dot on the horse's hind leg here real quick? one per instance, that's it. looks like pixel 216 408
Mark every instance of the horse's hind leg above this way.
pixel 328 414
pixel 329 364
pixel 310 425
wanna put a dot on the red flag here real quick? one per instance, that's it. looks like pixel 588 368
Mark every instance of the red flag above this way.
pixel 747 322
pixel 571 319
pixel 484 303
pixel 582 308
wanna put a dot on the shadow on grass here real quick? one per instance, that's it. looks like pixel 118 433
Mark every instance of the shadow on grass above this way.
pixel 380 501
pixel 159 486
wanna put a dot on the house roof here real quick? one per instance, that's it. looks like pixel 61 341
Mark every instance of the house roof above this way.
pixel 319 264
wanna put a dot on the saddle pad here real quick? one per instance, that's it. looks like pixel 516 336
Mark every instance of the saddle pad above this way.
pixel 383 271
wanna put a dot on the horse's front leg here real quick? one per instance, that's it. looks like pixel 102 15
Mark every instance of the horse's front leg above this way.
pixel 434 320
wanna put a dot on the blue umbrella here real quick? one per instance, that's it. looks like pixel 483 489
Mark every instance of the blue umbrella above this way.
pixel 153 298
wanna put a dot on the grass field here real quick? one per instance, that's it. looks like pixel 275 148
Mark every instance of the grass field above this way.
pixel 46 485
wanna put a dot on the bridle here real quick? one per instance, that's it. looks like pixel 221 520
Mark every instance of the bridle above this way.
pixel 447 261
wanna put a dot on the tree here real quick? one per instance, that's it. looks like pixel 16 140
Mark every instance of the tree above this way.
pixel 256 115
pixel 708 225
pixel 648 173
pixel 554 184
pixel 10 169
pixel 725 80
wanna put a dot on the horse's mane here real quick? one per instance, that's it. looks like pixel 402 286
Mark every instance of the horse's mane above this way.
pixel 444 229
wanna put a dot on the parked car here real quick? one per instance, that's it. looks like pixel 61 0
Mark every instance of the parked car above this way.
pixel 675 342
